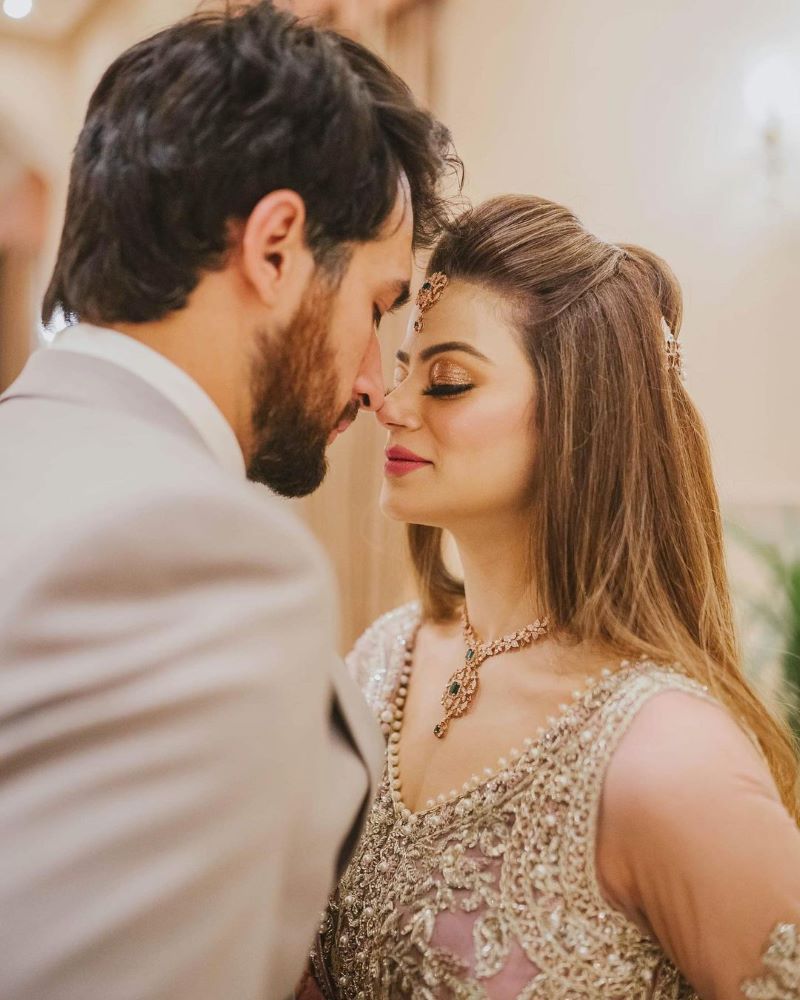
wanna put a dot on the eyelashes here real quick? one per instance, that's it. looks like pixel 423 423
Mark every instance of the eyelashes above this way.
pixel 437 391
pixel 445 391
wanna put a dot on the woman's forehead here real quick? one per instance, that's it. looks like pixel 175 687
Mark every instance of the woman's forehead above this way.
pixel 465 312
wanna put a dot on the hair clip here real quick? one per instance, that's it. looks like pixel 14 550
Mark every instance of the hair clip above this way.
pixel 429 294
pixel 673 351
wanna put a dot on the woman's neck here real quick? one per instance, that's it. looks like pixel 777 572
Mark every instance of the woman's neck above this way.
pixel 499 592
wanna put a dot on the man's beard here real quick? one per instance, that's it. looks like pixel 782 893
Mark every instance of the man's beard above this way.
pixel 294 399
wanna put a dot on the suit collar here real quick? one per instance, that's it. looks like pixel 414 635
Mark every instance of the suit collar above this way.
pixel 168 378
pixel 81 380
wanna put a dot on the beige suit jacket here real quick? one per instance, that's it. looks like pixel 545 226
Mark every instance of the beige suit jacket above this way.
pixel 183 762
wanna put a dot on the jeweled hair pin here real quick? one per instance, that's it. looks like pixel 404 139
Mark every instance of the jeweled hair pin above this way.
pixel 673 351
pixel 428 295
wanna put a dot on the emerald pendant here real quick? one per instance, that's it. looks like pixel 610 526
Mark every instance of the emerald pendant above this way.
pixel 455 687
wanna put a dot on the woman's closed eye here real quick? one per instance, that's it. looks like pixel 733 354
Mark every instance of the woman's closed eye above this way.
pixel 439 390
pixel 448 379
pixel 443 389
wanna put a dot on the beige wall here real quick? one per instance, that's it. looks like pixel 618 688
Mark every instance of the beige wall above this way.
pixel 45 86
pixel 33 136
pixel 115 26
pixel 33 104
pixel 633 114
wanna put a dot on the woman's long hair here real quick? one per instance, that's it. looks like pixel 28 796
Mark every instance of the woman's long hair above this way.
pixel 626 535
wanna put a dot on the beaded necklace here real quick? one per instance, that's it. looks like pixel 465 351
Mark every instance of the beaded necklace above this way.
pixel 392 724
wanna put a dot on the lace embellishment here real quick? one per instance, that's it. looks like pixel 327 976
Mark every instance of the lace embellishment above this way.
pixel 782 959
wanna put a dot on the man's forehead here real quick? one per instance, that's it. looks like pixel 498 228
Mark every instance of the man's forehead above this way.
pixel 391 252
pixel 395 252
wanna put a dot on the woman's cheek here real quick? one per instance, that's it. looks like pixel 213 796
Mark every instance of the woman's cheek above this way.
pixel 482 425
pixel 491 446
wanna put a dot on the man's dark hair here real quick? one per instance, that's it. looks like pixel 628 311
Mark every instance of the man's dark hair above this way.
pixel 189 129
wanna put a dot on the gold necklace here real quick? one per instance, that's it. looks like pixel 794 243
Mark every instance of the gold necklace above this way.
pixel 460 691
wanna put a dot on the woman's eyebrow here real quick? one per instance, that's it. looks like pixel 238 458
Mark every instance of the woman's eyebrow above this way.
pixel 450 345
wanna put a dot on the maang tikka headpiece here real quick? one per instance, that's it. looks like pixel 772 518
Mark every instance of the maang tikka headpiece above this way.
pixel 429 294
pixel 431 291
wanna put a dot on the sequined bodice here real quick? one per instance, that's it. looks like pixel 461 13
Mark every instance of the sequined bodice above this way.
pixel 494 895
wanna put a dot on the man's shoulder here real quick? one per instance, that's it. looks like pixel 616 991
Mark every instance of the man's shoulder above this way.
pixel 230 519
pixel 214 523
pixel 115 484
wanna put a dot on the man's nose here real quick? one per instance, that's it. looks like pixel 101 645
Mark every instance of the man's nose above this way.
pixel 368 386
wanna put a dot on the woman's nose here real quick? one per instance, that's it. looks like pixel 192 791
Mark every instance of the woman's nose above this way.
pixel 397 410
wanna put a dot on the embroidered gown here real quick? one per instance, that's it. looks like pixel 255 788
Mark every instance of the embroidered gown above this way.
pixel 496 894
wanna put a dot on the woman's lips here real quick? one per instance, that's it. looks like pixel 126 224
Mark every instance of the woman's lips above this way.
pixel 401 461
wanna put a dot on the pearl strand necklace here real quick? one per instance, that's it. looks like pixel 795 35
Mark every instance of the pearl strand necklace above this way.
pixel 392 724
pixel 392 720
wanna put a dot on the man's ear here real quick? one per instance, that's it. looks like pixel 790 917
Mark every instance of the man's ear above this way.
pixel 276 260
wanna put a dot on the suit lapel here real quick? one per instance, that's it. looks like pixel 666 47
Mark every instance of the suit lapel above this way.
pixel 358 723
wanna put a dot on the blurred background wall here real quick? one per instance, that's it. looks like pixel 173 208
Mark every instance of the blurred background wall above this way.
pixel 672 123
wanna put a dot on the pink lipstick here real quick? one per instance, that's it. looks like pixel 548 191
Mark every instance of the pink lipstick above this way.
pixel 400 461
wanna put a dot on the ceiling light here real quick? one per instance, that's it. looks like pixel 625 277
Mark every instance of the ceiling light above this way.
pixel 17 8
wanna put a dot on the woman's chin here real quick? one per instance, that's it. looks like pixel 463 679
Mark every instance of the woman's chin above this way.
pixel 402 500
pixel 397 507
pixel 390 508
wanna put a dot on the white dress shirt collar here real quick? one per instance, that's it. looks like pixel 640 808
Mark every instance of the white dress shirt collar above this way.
pixel 167 378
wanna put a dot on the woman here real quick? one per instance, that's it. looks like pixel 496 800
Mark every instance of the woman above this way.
pixel 638 833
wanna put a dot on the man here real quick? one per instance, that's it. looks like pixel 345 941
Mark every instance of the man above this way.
pixel 183 766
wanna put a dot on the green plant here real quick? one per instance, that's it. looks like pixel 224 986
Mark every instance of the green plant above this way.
pixel 781 611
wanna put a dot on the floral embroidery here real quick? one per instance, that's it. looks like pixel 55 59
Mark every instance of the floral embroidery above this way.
pixel 782 959
pixel 501 880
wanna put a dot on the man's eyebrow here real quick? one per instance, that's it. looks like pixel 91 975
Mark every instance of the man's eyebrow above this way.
pixel 402 289
pixel 450 345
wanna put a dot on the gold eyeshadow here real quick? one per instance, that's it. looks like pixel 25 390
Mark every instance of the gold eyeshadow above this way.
pixel 449 372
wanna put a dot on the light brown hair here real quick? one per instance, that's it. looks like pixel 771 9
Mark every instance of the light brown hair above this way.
pixel 626 546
